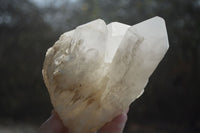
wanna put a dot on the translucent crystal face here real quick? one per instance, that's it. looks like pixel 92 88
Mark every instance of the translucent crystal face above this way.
pixel 93 73
pixel 116 32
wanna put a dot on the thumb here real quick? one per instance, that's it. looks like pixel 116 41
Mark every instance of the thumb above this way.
pixel 53 125
pixel 116 125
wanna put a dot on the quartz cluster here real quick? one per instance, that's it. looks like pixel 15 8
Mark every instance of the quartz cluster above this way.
pixel 94 72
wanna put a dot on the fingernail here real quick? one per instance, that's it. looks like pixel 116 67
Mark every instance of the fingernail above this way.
pixel 123 120
pixel 124 117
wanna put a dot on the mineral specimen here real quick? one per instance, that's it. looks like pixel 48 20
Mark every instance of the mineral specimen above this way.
pixel 93 73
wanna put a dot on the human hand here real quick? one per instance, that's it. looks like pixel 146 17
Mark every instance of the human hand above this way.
pixel 55 125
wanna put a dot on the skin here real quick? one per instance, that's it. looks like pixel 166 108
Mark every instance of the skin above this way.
pixel 55 125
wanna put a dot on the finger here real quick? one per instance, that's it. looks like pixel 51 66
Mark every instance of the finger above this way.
pixel 116 125
pixel 53 125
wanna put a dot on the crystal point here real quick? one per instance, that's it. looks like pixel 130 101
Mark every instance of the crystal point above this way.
pixel 94 72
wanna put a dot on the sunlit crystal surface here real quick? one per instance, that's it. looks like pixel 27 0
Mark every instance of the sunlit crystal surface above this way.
pixel 94 72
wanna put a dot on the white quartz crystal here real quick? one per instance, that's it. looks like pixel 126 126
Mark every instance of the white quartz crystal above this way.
pixel 93 73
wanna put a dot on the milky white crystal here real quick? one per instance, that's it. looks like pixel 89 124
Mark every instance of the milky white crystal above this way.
pixel 93 73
